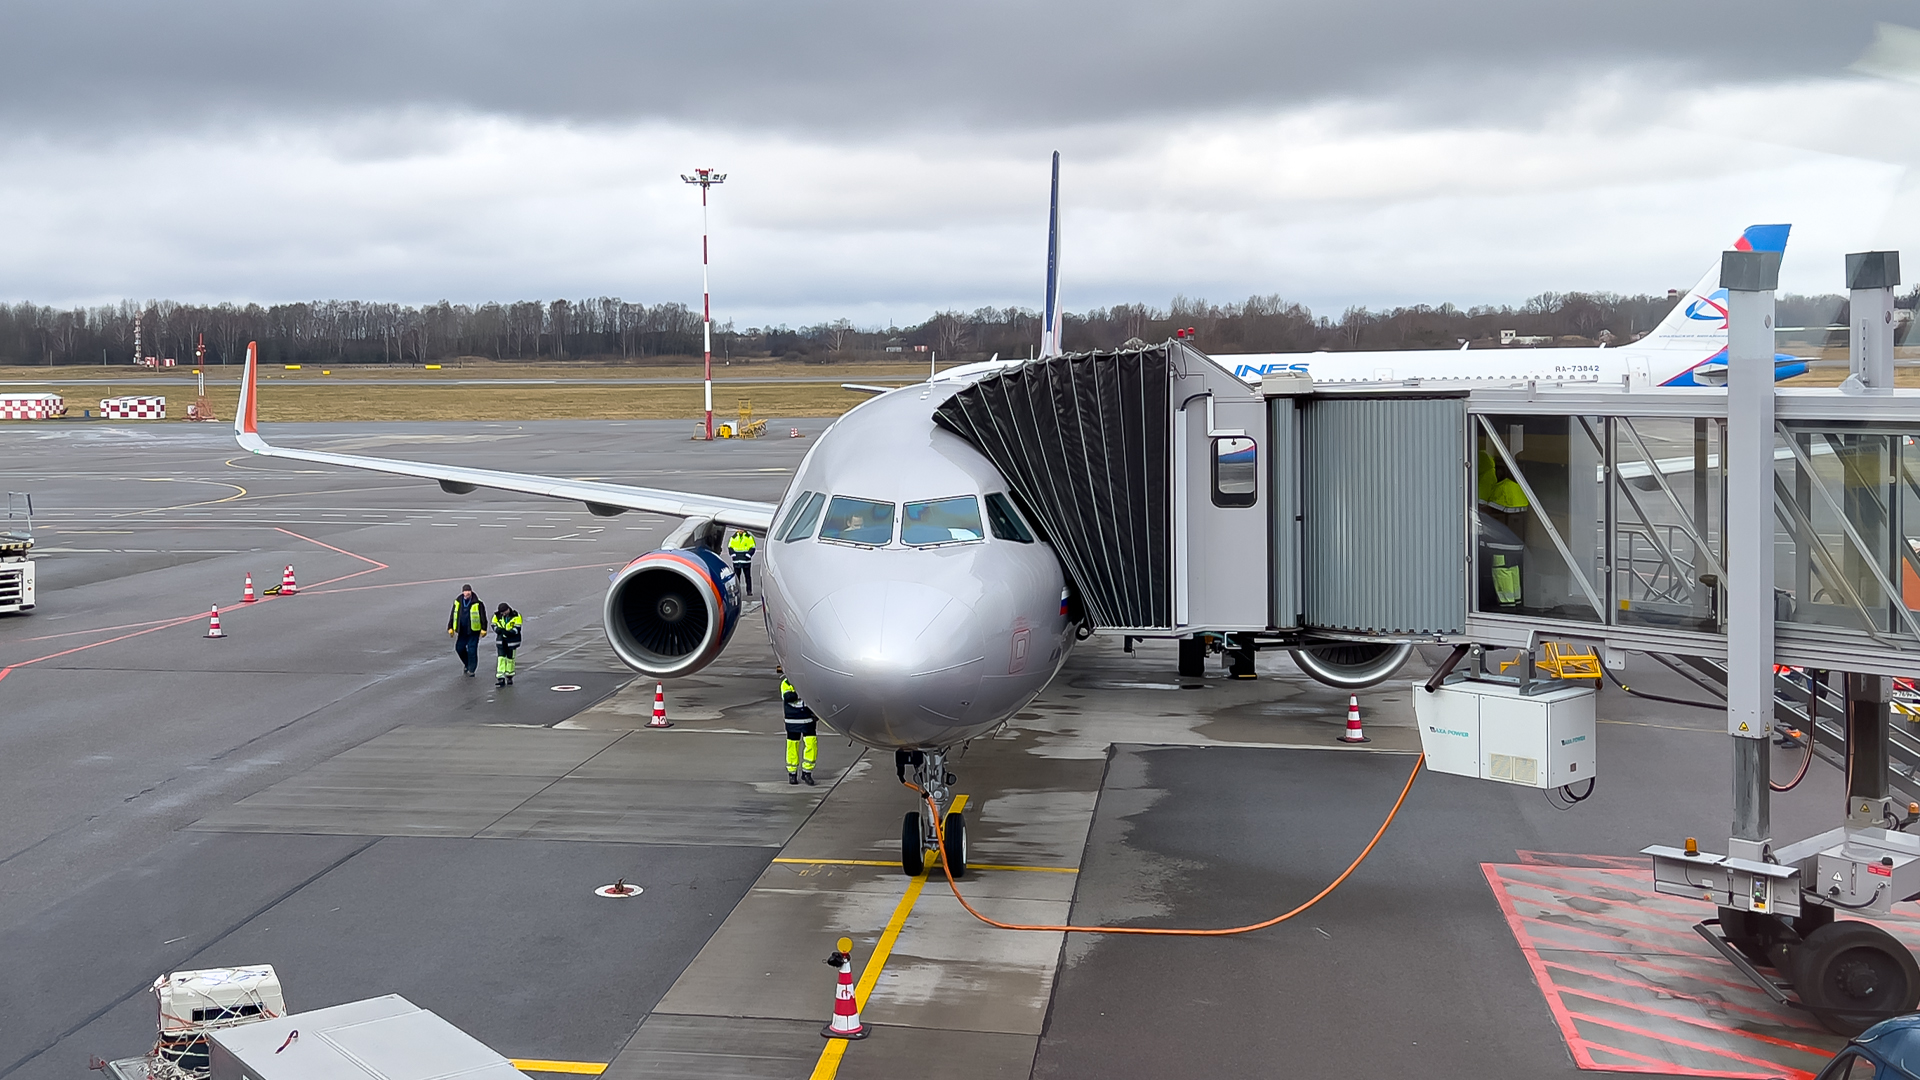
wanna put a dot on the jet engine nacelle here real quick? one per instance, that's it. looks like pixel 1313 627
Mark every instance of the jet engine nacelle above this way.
pixel 1353 665
pixel 670 612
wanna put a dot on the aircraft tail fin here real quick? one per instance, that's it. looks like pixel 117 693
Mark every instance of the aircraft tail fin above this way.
pixel 1698 323
pixel 1050 330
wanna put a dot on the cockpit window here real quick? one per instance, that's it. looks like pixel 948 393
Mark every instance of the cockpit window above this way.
pixel 941 521
pixel 805 513
pixel 858 521
pixel 1006 523
pixel 793 515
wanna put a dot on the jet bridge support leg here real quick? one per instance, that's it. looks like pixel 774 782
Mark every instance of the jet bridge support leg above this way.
pixel 1777 907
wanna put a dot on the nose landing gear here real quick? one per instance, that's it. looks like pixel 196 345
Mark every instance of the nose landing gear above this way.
pixel 926 770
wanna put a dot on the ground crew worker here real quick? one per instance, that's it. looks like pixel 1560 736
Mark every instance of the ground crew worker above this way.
pixel 801 731
pixel 466 626
pixel 506 635
pixel 742 546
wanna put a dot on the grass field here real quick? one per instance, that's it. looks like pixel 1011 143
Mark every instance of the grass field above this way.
pixel 596 393
pixel 576 392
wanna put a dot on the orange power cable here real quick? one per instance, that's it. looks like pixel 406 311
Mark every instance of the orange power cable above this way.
pixel 940 831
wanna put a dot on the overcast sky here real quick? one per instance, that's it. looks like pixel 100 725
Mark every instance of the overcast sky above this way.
pixel 888 160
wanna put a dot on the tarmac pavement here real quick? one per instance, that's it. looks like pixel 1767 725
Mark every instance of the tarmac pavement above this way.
pixel 325 791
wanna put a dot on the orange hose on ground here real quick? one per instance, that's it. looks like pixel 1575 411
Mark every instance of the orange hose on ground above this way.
pixel 940 832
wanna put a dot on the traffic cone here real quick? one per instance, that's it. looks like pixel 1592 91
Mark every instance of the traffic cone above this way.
pixel 288 586
pixel 846 1011
pixel 213 624
pixel 1354 734
pixel 659 707
pixel 794 433
pixel 248 597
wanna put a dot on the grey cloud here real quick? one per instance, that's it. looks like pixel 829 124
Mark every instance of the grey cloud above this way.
pixel 869 65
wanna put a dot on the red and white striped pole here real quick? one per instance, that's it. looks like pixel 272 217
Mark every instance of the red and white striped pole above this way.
pixel 706 178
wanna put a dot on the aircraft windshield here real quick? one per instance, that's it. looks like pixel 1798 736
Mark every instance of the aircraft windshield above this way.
pixel 858 521
pixel 941 521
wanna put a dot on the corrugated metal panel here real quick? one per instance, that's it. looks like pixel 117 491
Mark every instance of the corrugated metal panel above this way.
pixel 1384 498
pixel 1283 508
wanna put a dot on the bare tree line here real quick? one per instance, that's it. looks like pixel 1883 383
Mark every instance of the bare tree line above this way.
pixel 611 329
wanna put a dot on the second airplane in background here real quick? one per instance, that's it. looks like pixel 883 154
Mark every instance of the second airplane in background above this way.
pixel 1688 348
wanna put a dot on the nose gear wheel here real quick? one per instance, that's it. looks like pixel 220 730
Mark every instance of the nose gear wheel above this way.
pixel 925 771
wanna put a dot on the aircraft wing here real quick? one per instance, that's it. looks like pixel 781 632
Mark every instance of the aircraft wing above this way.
pixel 603 499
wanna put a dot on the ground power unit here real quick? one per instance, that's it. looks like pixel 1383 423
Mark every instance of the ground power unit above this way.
pixel 1498 731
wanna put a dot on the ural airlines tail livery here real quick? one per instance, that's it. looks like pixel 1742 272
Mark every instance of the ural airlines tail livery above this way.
pixel 1688 348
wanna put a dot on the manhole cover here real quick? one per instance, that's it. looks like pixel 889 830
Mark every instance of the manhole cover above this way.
pixel 565 688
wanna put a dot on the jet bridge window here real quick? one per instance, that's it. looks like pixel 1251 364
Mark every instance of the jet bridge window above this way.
pixel 1005 521
pixel 941 521
pixel 1236 472
pixel 858 521
pixel 806 511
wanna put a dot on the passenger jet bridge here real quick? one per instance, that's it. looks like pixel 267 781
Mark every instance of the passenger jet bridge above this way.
pixel 1752 537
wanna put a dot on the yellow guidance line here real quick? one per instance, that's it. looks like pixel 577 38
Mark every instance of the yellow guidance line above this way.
pixel 828 1066
pixel 582 1068
pixel 970 866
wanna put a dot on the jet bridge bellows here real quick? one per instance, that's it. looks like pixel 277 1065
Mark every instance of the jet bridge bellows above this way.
pixel 1084 441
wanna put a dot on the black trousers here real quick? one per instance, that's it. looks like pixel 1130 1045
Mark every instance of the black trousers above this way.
pixel 467 647
pixel 744 571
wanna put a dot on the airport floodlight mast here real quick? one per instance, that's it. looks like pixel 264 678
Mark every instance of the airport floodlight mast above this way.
pixel 706 178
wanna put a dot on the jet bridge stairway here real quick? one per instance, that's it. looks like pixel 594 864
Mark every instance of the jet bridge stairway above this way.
pixel 1812 703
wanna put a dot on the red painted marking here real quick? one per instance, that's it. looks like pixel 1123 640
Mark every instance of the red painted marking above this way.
pixel 1599 862
pixel 1612 882
pixel 1541 979
pixel 1680 935
pixel 198 615
pixel 1679 994
pixel 1693 1021
pixel 377 564
pixel 1773 1068
pixel 1617 942
pixel 1667 1067
pixel 1615 969
pixel 1790 1019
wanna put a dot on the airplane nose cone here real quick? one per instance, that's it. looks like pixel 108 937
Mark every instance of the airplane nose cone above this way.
pixel 893 660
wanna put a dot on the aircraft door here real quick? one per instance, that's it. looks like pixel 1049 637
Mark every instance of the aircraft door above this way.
pixel 1223 569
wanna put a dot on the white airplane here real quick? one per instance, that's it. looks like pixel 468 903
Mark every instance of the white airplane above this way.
pixel 1688 348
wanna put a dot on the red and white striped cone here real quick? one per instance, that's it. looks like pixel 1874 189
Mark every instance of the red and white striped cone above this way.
pixel 846 1011
pixel 659 707
pixel 248 597
pixel 288 586
pixel 213 624
pixel 1354 734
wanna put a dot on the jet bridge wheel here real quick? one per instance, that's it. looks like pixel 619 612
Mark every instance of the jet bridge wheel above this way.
pixel 1854 975
pixel 913 851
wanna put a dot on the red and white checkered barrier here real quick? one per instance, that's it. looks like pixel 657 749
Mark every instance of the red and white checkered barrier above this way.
pixel 133 408
pixel 31 406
